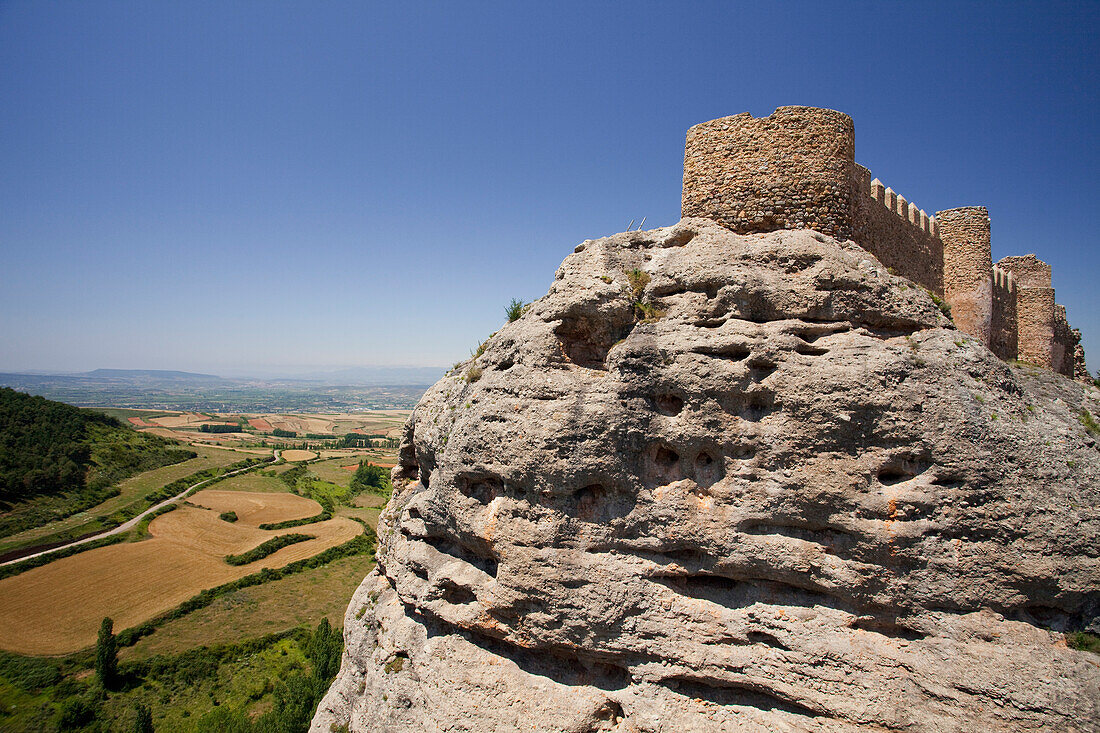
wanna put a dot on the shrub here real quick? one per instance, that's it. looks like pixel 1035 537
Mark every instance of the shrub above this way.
pixel 229 516
pixel 1083 641
pixel 473 374
pixel 637 281
pixel 515 309
pixel 76 712
pixel 269 547
pixel 143 719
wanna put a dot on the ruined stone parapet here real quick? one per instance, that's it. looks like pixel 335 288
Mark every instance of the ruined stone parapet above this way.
pixel 1002 332
pixel 790 170
pixel 1080 370
pixel 899 233
pixel 968 269
pixel 1028 270
pixel 1035 313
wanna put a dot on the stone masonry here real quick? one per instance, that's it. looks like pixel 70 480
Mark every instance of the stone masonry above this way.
pixel 796 169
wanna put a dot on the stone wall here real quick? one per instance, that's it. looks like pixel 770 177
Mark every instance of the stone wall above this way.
pixel 901 235
pixel 791 170
pixel 1002 332
pixel 1065 343
pixel 968 268
pixel 796 169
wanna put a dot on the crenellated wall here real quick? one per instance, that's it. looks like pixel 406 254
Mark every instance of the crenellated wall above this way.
pixel 796 169
pixel 901 235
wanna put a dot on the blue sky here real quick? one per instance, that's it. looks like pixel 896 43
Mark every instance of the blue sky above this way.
pixel 237 186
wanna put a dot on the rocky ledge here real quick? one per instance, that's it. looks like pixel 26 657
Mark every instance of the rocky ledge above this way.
pixel 715 482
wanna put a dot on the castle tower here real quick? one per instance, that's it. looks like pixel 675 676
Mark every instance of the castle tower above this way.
pixel 790 170
pixel 968 269
pixel 1035 312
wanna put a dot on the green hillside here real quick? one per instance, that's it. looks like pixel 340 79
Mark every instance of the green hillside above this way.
pixel 56 459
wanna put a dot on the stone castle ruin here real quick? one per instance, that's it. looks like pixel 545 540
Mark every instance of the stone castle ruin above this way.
pixel 796 169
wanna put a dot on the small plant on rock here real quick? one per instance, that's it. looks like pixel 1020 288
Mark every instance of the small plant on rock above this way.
pixel 644 311
pixel 515 309
pixel 637 281
pixel 1089 422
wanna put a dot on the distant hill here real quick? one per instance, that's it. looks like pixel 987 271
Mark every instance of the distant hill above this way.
pixel 66 459
pixel 156 374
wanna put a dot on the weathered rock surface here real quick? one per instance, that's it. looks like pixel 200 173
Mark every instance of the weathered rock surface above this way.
pixel 799 501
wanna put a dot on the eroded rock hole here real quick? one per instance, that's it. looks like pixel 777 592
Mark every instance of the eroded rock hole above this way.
pixel 482 488
pixel 730 352
pixel 758 405
pixel 669 404
pixel 897 470
pixel 597 503
pixel 586 342
pixel 610 713
pixel 721 692
pixel 483 561
pixel 708 469
pixel 886 627
pixel 761 368
pixel 810 350
pixel 762 637
pixel 456 594
pixel 680 238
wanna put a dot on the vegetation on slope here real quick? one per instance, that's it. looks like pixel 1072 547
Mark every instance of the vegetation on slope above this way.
pixel 271 685
pixel 56 460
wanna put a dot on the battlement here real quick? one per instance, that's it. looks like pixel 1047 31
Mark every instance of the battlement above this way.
pixel 796 169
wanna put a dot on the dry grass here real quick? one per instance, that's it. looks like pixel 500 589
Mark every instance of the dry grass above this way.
pixel 297 455
pixel 57 608
pixel 254 509
pixel 186 419
pixel 253 482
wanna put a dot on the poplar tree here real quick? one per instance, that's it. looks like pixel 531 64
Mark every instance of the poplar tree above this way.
pixel 106 654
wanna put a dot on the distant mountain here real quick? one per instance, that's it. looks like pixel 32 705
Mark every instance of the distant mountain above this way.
pixel 155 374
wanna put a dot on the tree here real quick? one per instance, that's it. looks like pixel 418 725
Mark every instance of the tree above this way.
pixel 371 479
pixel 106 654
pixel 325 646
pixel 143 719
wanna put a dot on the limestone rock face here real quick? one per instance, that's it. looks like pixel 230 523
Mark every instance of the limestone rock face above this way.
pixel 768 488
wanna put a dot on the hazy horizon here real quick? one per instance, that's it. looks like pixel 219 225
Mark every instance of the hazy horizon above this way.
pixel 226 187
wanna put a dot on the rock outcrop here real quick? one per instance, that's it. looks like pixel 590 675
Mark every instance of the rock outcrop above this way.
pixel 715 482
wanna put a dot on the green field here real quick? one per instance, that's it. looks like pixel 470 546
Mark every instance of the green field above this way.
pixel 304 598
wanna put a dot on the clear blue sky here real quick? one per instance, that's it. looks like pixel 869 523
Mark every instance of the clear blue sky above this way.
pixel 230 186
